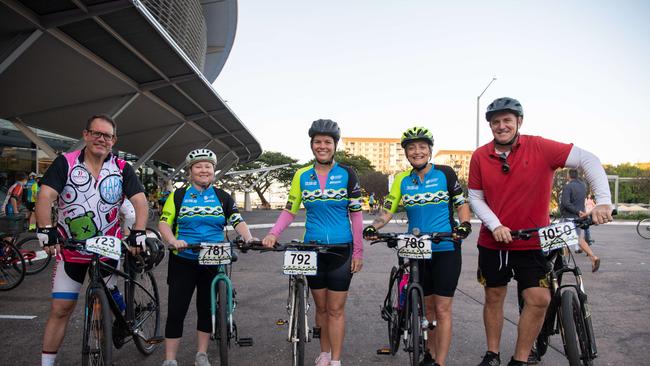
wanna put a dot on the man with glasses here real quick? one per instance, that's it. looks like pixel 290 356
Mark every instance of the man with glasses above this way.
pixel 510 181
pixel 89 186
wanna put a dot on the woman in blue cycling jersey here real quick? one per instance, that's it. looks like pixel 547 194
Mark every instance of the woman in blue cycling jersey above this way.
pixel 331 195
pixel 429 193
pixel 194 214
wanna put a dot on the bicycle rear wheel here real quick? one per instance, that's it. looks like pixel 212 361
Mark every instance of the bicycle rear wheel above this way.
pixel 146 308
pixel 222 322
pixel 36 259
pixel 12 266
pixel 299 325
pixel 97 347
pixel 643 228
pixel 416 336
pixel 392 310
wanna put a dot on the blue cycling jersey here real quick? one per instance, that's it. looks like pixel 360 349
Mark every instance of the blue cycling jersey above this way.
pixel 328 221
pixel 429 202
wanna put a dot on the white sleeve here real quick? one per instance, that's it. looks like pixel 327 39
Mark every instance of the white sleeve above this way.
pixel 482 210
pixel 594 173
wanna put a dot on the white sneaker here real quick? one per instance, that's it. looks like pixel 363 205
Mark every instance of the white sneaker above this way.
pixel 201 359
pixel 170 363
pixel 335 363
pixel 323 359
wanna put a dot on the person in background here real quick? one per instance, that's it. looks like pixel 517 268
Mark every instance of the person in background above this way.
pixel 14 198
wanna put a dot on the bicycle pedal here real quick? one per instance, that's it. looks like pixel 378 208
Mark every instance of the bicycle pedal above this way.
pixel 432 325
pixel 155 340
pixel 245 342
pixel 280 322
pixel 316 333
pixel 383 351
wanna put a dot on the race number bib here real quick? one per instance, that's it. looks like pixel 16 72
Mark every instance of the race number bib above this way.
pixel 413 247
pixel 557 236
pixel 215 254
pixel 300 262
pixel 106 246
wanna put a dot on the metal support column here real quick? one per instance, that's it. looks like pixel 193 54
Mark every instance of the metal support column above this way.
pixel 33 137
pixel 153 149
pixel 24 45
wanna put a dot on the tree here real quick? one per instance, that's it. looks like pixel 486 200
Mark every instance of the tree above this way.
pixel 264 180
pixel 358 162
pixel 636 191
pixel 375 182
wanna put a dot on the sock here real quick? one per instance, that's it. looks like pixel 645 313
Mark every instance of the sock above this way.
pixel 335 363
pixel 48 358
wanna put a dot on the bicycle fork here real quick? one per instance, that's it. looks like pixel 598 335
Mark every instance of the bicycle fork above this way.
pixel 292 304
pixel 213 303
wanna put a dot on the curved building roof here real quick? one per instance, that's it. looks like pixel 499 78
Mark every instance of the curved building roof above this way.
pixel 62 61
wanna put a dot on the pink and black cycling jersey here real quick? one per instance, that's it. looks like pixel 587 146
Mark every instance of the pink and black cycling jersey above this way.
pixel 89 207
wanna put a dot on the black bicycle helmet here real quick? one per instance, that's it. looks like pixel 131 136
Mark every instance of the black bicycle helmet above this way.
pixel 325 127
pixel 416 134
pixel 504 104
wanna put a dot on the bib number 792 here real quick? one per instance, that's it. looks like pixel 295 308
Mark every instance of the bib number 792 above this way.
pixel 300 262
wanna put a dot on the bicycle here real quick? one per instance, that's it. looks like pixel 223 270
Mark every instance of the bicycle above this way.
pixel 568 313
pixel 12 263
pixel 300 260
pixel 643 228
pixel 222 295
pixel 404 308
pixel 140 321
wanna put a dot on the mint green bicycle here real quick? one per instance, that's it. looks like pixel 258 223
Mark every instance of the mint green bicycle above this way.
pixel 222 295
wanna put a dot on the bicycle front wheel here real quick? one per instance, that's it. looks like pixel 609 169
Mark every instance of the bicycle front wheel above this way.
pixel 643 228
pixel 36 259
pixel 146 309
pixel 97 347
pixel 12 266
pixel 416 336
pixel 299 321
pixel 574 331
pixel 222 322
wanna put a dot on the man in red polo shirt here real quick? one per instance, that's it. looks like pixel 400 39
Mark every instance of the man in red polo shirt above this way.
pixel 510 181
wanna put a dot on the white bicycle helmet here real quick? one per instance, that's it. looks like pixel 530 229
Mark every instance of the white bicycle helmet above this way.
pixel 200 155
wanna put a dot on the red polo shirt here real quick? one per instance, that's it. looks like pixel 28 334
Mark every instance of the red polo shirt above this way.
pixel 521 197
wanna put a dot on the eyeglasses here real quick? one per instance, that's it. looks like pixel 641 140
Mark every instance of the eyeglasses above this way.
pixel 505 167
pixel 97 135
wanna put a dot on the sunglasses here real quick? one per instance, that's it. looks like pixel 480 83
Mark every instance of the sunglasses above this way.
pixel 97 135
pixel 505 167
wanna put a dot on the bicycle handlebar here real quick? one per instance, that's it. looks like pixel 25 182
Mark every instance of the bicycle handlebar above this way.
pixel 435 237
pixel 581 223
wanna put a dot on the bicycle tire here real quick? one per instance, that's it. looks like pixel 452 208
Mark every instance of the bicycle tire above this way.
pixel 36 259
pixel 394 312
pixel 222 322
pixel 299 325
pixel 416 338
pixel 569 305
pixel 590 333
pixel 12 266
pixel 146 306
pixel 97 346
pixel 643 228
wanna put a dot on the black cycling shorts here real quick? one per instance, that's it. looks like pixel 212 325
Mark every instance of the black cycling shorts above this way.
pixel 497 267
pixel 30 206
pixel 439 275
pixel 334 271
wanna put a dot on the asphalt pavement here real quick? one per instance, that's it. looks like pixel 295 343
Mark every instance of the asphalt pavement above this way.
pixel 618 294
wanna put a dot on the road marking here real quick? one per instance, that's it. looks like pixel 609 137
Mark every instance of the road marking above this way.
pixel 20 317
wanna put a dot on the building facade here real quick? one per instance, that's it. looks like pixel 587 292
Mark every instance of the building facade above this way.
pixel 385 154
pixel 457 159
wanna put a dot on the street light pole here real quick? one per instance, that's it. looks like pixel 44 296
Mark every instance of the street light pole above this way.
pixel 478 99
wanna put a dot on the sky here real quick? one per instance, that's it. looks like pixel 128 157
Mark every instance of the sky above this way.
pixel 581 70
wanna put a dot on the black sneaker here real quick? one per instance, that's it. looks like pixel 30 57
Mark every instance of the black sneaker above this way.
pixel 491 359
pixel 428 360
pixel 517 363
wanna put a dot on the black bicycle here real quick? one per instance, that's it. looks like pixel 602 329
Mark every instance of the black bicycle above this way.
pixel 140 320
pixel 12 263
pixel 404 307
pixel 568 313
pixel 300 260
